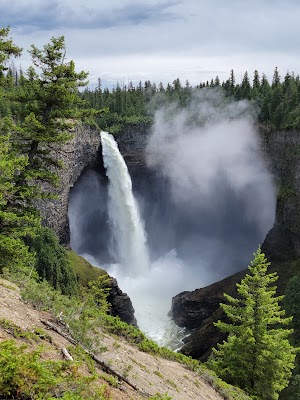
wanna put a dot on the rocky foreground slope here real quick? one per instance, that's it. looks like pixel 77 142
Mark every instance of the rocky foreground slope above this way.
pixel 147 373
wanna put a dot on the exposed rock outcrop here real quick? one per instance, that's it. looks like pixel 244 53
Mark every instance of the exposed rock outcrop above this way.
pixel 198 310
pixel 283 151
pixel 79 153
pixel 121 304
pixel 132 143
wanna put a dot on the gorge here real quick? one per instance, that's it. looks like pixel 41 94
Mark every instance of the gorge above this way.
pixel 192 240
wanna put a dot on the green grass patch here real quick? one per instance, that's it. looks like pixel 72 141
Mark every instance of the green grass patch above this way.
pixel 84 271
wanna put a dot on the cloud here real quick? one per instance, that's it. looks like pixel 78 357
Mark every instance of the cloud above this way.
pixel 161 40
pixel 56 14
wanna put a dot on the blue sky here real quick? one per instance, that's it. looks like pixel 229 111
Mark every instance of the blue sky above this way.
pixel 121 40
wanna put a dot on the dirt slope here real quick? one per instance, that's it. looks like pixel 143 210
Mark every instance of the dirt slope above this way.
pixel 148 373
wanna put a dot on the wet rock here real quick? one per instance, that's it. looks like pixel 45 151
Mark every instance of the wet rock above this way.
pixel 121 304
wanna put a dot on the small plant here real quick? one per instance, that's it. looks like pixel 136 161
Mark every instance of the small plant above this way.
pixel 159 396
pixel 111 380
pixel 172 383
pixel 159 374
pixel 20 333
pixel 126 370
pixel 82 356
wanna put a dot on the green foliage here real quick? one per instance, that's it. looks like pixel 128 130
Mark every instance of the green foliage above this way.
pixel 25 375
pixel 83 270
pixel 159 396
pixel 257 355
pixel 293 390
pixel 15 223
pixel 292 305
pixel 52 262
pixel 7 49
pixel 17 332
pixel 277 104
pixel 46 104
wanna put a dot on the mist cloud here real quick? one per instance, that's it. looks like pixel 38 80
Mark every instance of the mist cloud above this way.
pixel 211 145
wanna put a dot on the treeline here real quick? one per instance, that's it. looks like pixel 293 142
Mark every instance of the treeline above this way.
pixel 277 102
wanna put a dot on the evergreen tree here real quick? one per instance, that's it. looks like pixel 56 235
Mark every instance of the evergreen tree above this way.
pixel 232 80
pixel 217 81
pixel 52 262
pixel 46 104
pixel 15 224
pixel 256 80
pixel 257 355
pixel 245 86
pixel 276 78
pixel 7 49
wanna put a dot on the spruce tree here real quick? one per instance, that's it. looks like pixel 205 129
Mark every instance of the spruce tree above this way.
pixel 47 106
pixel 15 224
pixel 257 355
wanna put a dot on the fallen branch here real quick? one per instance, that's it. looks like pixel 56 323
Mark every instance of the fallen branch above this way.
pixel 67 355
pixel 103 364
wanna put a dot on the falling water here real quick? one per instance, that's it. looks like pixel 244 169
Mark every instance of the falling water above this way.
pixel 128 232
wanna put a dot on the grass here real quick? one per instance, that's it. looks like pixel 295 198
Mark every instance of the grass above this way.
pixel 84 271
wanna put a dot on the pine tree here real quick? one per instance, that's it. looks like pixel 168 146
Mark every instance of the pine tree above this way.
pixel 15 224
pixel 257 355
pixel 276 78
pixel 246 87
pixel 256 80
pixel 232 80
pixel 7 49
pixel 217 81
pixel 46 104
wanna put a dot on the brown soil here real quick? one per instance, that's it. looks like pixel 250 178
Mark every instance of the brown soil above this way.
pixel 149 373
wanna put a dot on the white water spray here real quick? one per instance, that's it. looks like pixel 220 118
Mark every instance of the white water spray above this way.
pixel 150 286
pixel 128 231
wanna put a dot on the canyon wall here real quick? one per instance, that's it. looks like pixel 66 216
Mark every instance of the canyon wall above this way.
pixel 80 152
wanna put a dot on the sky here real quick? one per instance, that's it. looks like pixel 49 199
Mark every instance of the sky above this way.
pixel 161 40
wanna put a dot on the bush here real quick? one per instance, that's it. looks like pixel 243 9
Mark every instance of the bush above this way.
pixel 24 375
pixel 52 262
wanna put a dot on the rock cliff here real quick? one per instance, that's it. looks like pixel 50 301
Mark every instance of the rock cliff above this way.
pixel 79 153
pixel 121 304
pixel 200 308
pixel 132 143
pixel 283 152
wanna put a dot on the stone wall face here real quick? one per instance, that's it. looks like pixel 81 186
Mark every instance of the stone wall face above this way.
pixel 283 152
pixel 132 142
pixel 79 153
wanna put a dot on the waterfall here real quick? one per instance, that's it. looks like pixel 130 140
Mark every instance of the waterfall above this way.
pixel 129 245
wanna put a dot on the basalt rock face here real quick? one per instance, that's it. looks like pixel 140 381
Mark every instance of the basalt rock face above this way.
pixel 200 309
pixel 283 150
pixel 121 304
pixel 80 152
pixel 132 142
